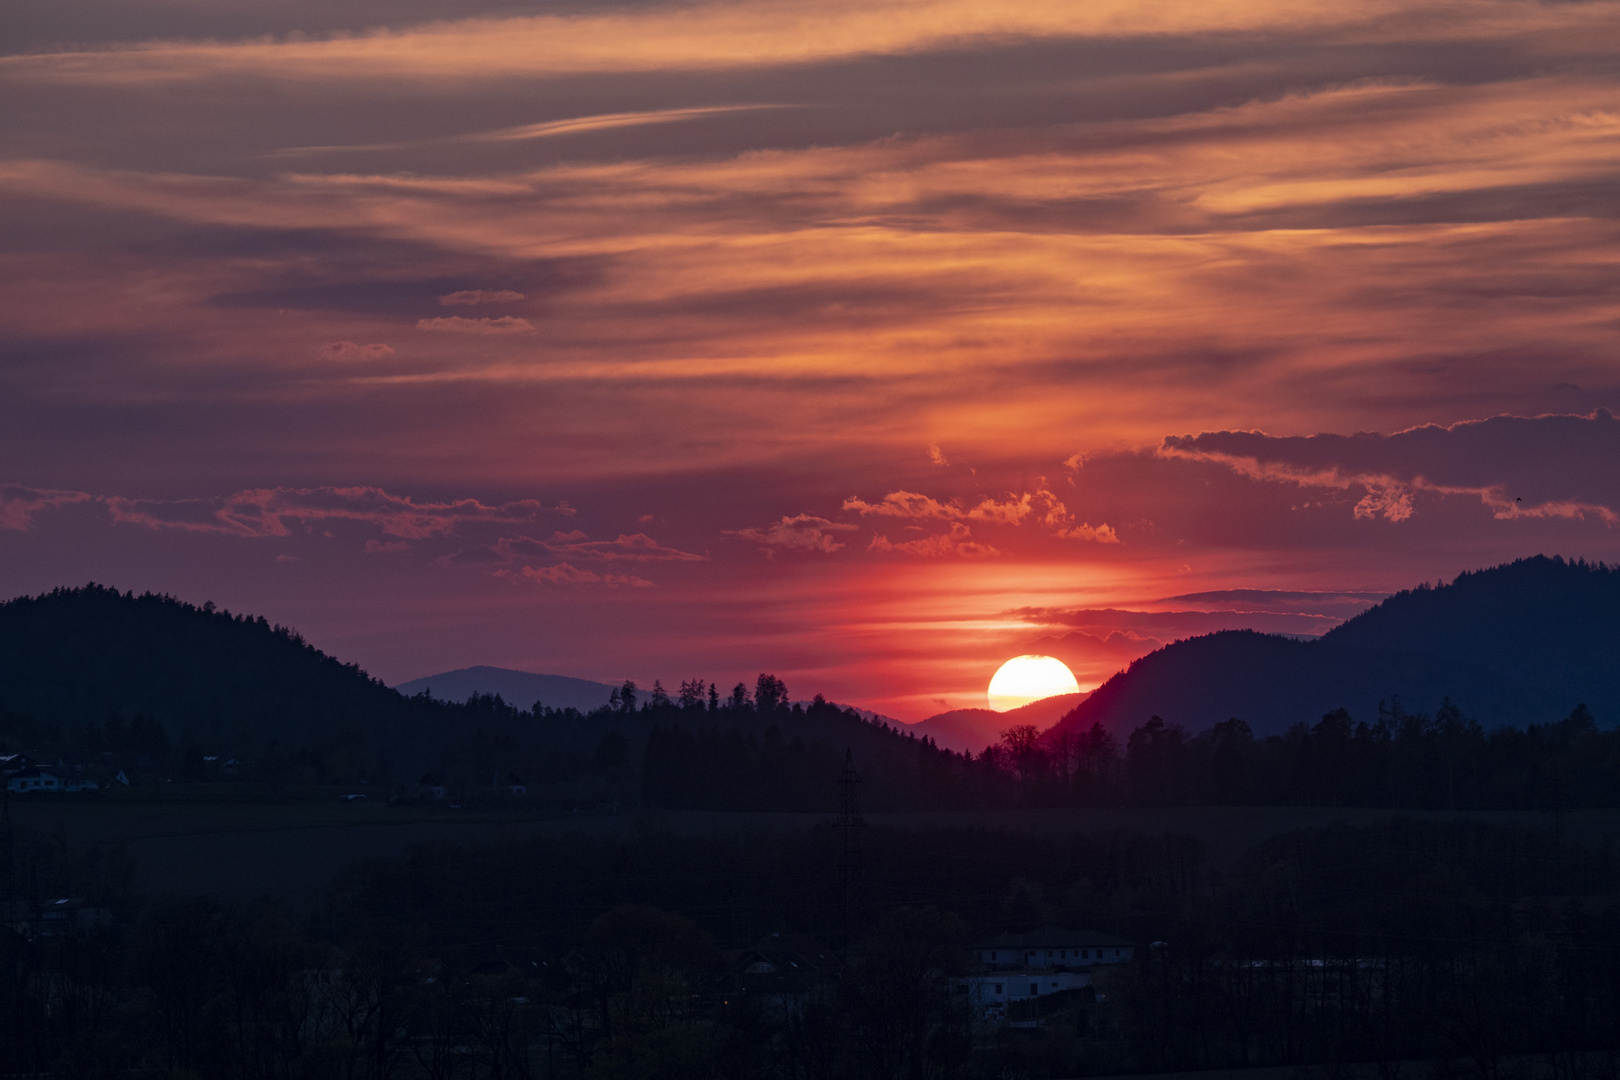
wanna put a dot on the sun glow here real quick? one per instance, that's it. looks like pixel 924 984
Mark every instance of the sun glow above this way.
pixel 1024 679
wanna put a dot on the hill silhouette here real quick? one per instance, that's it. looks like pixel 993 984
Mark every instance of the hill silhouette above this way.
pixel 74 656
pixel 157 686
pixel 1515 644
pixel 971 730
pixel 519 687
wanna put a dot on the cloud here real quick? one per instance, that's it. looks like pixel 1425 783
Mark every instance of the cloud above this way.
pixel 910 504
pixel 564 574
pixel 636 547
pixel 259 512
pixel 1014 510
pixel 936 455
pixel 348 350
pixel 801 532
pixel 1548 466
pixel 714 36
pixel 474 297
pixel 1340 604
pixel 958 541
pixel 1063 525
pixel 386 547
pixel 604 121
pixel 455 324
pixel 18 504
pixel 1172 625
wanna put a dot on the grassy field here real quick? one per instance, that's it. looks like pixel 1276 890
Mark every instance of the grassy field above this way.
pixel 242 844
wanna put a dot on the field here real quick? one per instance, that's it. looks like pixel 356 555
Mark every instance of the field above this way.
pixel 194 842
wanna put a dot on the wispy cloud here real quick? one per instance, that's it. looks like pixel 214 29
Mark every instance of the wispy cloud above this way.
pixel 1553 466
pixel 262 512
pixel 474 297
pixel 566 575
pixel 505 325
pixel 635 547
pixel 957 541
pixel 800 532
pixel 19 505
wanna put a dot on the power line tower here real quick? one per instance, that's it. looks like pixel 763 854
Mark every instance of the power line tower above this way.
pixel 848 825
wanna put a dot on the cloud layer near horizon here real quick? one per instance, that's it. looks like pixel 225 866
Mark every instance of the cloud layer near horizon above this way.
pixel 856 330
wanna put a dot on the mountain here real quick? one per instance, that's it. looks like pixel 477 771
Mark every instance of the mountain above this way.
pixel 1515 644
pixel 971 730
pixel 73 657
pixel 520 688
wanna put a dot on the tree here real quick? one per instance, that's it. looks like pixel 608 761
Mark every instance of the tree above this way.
pixel 770 694
pixel 1023 745
pixel 691 694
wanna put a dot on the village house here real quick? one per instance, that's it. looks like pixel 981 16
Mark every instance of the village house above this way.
pixel 1026 967
pixel 33 779
pixel 781 969
pixel 1052 947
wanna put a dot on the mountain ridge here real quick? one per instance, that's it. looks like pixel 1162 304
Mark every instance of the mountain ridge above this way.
pixel 1519 643
pixel 515 686
pixel 971 730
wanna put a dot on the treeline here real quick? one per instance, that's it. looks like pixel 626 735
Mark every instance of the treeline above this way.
pixel 733 761
pixel 628 956
pixel 1401 761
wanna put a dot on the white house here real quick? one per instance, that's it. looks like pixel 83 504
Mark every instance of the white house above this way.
pixel 989 994
pixel 1051 947
pixel 33 780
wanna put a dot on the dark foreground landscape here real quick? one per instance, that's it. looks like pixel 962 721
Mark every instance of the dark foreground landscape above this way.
pixel 227 855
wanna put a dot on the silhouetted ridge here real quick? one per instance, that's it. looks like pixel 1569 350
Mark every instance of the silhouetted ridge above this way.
pixel 1547 620
pixel 76 654
pixel 1515 644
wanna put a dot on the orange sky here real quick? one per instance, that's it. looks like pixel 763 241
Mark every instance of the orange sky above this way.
pixel 869 344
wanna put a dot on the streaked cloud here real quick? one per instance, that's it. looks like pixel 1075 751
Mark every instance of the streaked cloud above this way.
pixel 474 297
pixel 958 540
pixel 348 350
pixel 799 532
pixel 565 574
pixel 1520 467
pixel 636 547
pixel 456 324
pixel 263 512
pixel 19 505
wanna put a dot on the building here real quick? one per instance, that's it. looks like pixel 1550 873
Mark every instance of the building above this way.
pixel 781 969
pixel 990 993
pixel 1052 947
pixel 32 779
pixel 1019 970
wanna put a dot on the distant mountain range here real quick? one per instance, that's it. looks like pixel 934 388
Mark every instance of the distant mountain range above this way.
pixel 1515 644
pixel 971 730
pixel 520 688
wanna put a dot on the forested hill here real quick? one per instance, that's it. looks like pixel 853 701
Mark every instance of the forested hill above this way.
pixel 77 656
pixel 1516 644
pixel 158 687
pixel 1542 621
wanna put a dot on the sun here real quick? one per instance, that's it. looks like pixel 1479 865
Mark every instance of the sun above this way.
pixel 1024 679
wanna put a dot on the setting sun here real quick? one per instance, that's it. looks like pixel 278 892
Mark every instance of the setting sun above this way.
pixel 1024 679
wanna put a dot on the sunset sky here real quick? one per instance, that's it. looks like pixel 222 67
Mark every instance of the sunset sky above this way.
pixel 868 344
